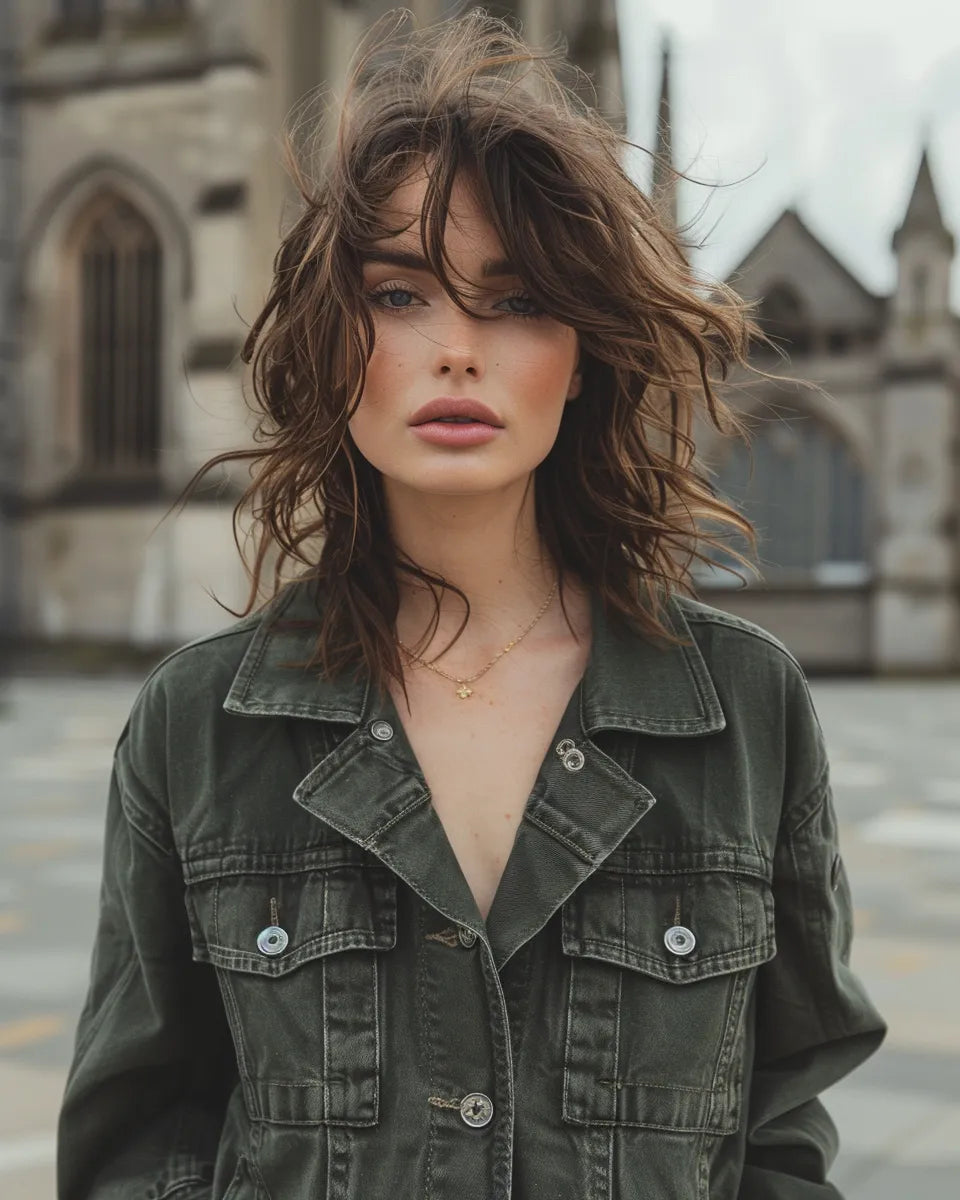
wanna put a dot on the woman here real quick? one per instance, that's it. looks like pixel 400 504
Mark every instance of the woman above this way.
pixel 481 861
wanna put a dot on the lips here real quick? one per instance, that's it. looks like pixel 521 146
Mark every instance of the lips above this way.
pixel 455 406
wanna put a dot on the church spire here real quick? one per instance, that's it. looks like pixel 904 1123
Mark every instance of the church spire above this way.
pixel 664 184
pixel 923 213
pixel 921 324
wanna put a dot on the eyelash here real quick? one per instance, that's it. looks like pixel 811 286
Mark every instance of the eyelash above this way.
pixel 389 289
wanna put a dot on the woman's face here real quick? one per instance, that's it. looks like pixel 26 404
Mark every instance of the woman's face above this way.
pixel 522 367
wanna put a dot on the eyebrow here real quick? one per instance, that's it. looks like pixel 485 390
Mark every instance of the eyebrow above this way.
pixel 489 269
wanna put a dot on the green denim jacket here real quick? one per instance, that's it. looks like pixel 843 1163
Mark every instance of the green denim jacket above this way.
pixel 293 994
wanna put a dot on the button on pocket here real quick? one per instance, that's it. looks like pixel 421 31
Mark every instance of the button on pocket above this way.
pixel 655 1011
pixel 679 940
pixel 286 988
pixel 272 940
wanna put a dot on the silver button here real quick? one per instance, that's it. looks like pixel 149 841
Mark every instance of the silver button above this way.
pixel 476 1109
pixel 272 940
pixel 562 747
pixel 467 936
pixel 679 939
pixel 573 760
pixel 382 731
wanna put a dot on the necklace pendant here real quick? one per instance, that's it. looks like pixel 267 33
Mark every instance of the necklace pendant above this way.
pixel 464 692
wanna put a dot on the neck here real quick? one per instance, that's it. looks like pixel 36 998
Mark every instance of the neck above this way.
pixel 487 545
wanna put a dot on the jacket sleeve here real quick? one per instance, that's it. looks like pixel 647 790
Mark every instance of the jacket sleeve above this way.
pixel 814 1022
pixel 152 1066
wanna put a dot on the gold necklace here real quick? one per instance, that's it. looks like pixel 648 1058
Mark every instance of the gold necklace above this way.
pixel 463 691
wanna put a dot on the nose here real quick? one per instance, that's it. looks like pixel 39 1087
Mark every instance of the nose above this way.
pixel 459 346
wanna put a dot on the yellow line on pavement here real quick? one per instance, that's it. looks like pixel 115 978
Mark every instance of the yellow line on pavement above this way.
pixel 40 851
pixel 11 922
pixel 28 1030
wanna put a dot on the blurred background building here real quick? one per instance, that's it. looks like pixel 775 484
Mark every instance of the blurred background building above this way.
pixel 142 202
pixel 855 493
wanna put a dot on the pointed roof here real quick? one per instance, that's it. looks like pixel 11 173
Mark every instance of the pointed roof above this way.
pixel 790 252
pixel 664 184
pixel 923 213
pixel 790 219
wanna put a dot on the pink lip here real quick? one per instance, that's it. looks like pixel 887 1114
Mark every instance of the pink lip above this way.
pixel 455 406
pixel 441 434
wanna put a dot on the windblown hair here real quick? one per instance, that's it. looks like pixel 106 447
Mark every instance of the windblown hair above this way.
pixel 619 500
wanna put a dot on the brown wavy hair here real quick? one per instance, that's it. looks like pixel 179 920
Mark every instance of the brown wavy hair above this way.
pixel 620 500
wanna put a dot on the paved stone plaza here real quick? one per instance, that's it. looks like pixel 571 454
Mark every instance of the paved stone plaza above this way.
pixel 895 755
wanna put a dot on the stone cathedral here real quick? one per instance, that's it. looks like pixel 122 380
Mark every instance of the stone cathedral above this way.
pixel 854 486
pixel 141 204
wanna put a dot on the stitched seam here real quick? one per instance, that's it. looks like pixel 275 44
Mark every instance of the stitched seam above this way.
pixel 619 868
pixel 418 802
pixel 253 666
pixel 828 1030
pixel 616 1037
pixel 548 829
pixel 706 960
pixel 710 619
pixel 230 1004
pixel 129 811
pixel 823 786
pixel 645 1125
pixel 666 1087
pixel 316 858
pixel 107 1004
pixel 239 958
pixel 178 1185
pixel 325 1081
pixel 233 631
pixel 571 989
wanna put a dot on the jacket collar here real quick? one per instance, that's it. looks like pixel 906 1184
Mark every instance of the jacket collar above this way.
pixel 373 793
pixel 629 683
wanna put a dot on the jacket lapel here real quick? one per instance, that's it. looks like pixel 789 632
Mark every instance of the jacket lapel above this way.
pixel 574 819
pixel 373 792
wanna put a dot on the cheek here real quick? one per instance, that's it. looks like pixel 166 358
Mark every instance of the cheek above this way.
pixel 385 371
pixel 540 365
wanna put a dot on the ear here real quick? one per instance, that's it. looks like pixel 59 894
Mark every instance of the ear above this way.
pixel 576 384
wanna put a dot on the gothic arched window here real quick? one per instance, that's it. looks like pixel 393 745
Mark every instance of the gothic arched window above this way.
pixel 805 495
pixel 119 277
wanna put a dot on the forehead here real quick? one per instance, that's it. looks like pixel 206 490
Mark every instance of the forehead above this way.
pixel 467 226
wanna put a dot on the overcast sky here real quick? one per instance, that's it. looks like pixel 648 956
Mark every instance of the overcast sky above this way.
pixel 823 103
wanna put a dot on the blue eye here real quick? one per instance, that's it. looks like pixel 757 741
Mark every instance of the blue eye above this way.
pixel 390 292
pixel 379 298
pixel 537 312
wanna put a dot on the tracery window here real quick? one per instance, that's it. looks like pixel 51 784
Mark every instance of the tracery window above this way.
pixel 119 284
pixel 805 496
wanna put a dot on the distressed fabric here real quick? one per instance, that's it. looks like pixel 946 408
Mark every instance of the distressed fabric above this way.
pixel 389 1042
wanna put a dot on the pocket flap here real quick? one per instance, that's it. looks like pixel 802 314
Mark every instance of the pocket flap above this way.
pixel 621 914
pixel 322 909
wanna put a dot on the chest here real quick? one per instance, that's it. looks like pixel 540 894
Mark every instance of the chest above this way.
pixel 480 756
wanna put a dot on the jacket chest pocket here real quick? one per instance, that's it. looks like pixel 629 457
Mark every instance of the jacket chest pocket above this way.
pixel 297 951
pixel 659 966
